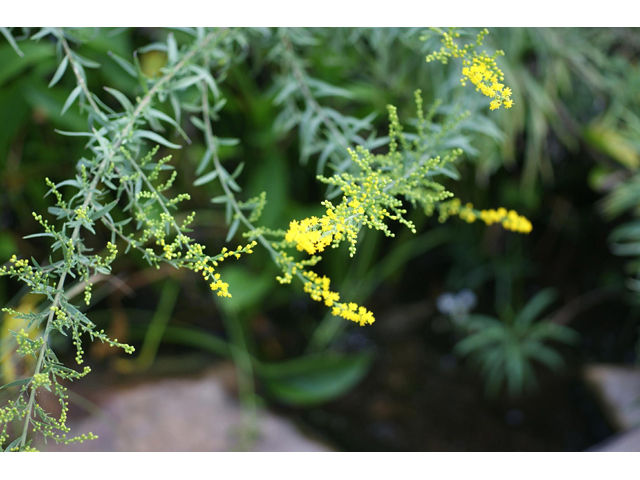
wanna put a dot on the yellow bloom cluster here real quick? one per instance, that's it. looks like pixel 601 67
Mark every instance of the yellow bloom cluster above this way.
pixel 314 234
pixel 113 252
pixel 22 268
pixel 479 68
pixel 319 290
pixel 467 213
pixel 290 266
pixel 26 346
pixel 81 213
pixel 484 73
pixel 354 313
pixel 310 234
pixel 41 380
pixel 221 287
pixel 366 203
pixel 510 220
pixel 208 271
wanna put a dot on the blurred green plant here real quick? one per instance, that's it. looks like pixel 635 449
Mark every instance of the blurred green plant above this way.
pixel 506 349
pixel 121 191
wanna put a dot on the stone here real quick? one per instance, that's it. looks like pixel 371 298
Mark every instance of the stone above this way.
pixel 624 442
pixel 180 415
pixel 617 389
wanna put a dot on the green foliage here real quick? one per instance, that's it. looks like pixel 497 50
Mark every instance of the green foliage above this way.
pixel 115 174
pixel 575 84
pixel 121 196
pixel 506 350
pixel 314 379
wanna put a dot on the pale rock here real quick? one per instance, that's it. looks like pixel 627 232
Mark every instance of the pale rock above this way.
pixel 188 414
pixel 618 391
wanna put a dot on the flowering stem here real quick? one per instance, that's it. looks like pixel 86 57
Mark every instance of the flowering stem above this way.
pixel 221 175
pixel 92 188
pixel 56 303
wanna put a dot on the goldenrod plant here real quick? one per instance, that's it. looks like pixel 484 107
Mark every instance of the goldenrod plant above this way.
pixel 122 190
pixel 479 68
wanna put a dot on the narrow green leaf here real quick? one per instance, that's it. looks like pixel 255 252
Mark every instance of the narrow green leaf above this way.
pixel 72 97
pixel 126 66
pixel 17 383
pixel 7 34
pixel 233 185
pixel 156 138
pixel 236 173
pixel 313 379
pixel 207 77
pixel 166 118
pixel 103 211
pixel 85 61
pixel 44 234
pixel 545 355
pixel 73 134
pixel 206 178
pixel 122 98
pixel 535 306
pixel 232 229
pixel 479 341
pixel 71 182
pixel 220 199
pixel 172 49
pixel 153 46
pixel 59 72
pixel 228 212
pixel 288 89
pixel 184 83
pixel 177 109
pixel 227 142
pixel 13 444
pixel 205 161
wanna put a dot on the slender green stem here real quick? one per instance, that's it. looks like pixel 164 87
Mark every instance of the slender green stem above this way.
pixel 79 77
pixel 158 324
pixel 142 104
pixel 306 92
pixel 230 195
pixel 56 303
pixel 244 364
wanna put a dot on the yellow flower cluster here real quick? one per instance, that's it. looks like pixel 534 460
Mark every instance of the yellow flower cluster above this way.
pixel 319 290
pixel 310 234
pixel 221 287
pixel 26 346
pixel 510 220
pixel 366 202
pixel 314 234
pixel 113 252
pixel 354 313
pixel 209 273
pixel 467 213
pixel 22 268
pixel 81 213
pixel 484 73
pixel 41 380
pixel 479 68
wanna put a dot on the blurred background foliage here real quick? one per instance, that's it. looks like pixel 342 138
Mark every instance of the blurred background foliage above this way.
pixel 567 156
